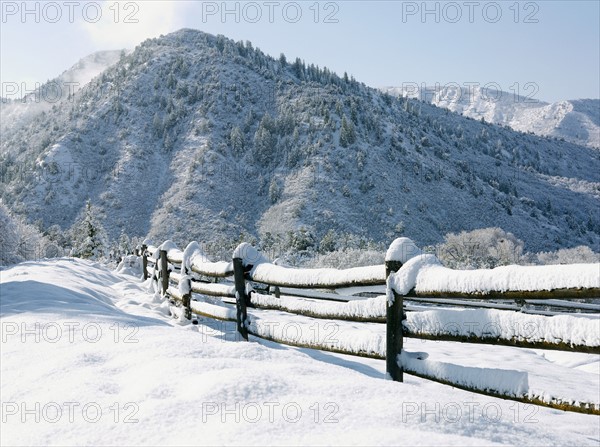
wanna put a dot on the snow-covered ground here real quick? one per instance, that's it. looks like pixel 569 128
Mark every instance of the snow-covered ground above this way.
pixel 89 357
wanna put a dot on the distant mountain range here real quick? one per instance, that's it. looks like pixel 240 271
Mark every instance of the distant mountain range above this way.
pixel 197 137
pixel 577 121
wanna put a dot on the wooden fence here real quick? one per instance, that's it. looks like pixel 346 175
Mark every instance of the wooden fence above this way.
pixel 251 281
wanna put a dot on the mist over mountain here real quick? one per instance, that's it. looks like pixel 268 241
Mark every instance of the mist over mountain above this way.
pixel 577 121
pixel 197 137
pixel 17 111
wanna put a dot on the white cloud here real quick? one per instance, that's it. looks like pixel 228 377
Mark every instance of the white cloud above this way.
pixel 119 24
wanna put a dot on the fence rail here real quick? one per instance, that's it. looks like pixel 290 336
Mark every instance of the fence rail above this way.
pixel 250 281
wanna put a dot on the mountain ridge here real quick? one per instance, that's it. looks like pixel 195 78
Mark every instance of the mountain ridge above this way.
pixel 194 136
pixel 577 121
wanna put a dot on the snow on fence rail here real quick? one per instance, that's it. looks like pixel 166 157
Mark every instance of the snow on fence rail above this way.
pixel 408 273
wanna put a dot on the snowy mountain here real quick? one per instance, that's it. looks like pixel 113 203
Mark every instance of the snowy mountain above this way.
pixel 577 121
pixel 18 111
pixel 193 136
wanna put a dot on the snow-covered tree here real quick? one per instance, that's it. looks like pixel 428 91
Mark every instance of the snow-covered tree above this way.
pixel 89 236
pixel 237 140
pixel 264 141
pixel 348 258
pixel 274 191
pixel 19 240
pixel 347 133
pixel 482 248
pixel 300 240
pixel 576 255
pixel 30 242
pixel 57 236
pixel 125 246
pixel 329 242
pixel 8 237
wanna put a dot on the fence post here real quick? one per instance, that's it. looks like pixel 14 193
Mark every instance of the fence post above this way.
pixel 187 300
pixel 164 271
pixel 145 262
pixel 240 296
pixel 394 326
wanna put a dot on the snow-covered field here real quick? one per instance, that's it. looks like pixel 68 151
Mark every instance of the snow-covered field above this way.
pixel 90 357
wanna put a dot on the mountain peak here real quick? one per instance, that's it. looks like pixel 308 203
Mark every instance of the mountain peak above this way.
pixel 577 121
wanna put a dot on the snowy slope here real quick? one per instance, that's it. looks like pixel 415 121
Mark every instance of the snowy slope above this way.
pixel 577 121
pixel 91 66
pixel 131 375
pixel 197 137
pixel 17 112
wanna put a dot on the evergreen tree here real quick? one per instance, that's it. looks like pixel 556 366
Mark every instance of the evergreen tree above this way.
pixel 347 133
pixel 274 191
pixel 329 242
pixel 237 140
pixel 300 240
pixel 57 236
pixel 157 125
pixel 89 236
pixel 264 141
pixel 298 68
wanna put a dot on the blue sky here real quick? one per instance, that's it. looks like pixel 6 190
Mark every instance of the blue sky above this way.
pixel 506 44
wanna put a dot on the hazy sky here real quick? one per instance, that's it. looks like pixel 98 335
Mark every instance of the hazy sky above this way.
pixel 553 44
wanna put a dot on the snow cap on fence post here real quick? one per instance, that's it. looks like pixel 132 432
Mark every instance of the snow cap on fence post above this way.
pixel 191 252
pixel 401 250
pixel 249 255
pixel 167 246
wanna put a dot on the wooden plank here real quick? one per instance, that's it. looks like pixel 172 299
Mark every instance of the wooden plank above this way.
pixel 563 294
pixel 316 285
pixel 213 289
pixel 464 303
pixel 566 304
pixel 213 270
pixel 328 278
pixel 175 259
pixel 475 304
pixel 580 407
pixel 495 341
pixel 317 295
pixel 316 313
pixel 207 288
